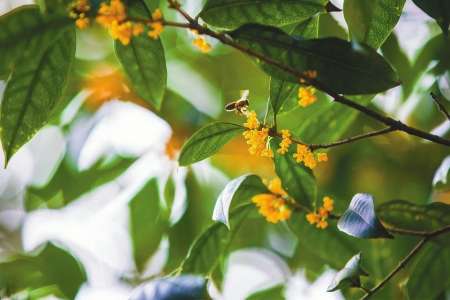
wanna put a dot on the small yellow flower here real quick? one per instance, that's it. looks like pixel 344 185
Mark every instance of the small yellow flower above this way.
pixel 157 15
pixel 275 187
pixel 156 24
pixel 319 218
pixel 285 142
pixel 322 157
pixel 312 218
pixel 138 28
pixel 306 96
pixel 328 203
pixel 115 12
pixel 121 31
pixel 202 44
pixel 273 206
pixel 252 121
pixel 157 29
pixel 82 22
pixel 322 224
pixel 258 142
pixel 305 155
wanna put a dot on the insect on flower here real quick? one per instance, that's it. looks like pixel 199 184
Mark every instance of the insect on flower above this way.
pixel 240 105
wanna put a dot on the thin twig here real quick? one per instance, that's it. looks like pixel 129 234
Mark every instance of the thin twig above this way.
pixel 440 106
pixel 353 138
pixel 397 125
pixel 405 260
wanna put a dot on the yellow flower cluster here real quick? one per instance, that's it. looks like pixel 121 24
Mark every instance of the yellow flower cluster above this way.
pixel 306 96
pixel 285 141
pixel 256 138
pixel 156 24
pixel 273 206
pixel 320 217
pixel 200 42
pixel 305 155
pixel 78 11
pixel 258 142
pixel 113 17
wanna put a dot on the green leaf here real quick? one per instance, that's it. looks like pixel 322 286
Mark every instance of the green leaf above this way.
pixel 359 220
pixel 273 293
pixel 344 67
pixel 209 247
pixel 296 179
pixel 67 184
pixel 207 141
pixel 184 287
pixel 236 192
pixel 145 64
pixel 148 221
pixel 48 265
pixel 407 215
pixel 281 90
pixel 323 122
pixel 349 275
pixel 397 57
pixel 438 10
pixel 329 246
pixel 230 14
pixel 34 89
pixel 152 5
pixel 430 276
pixel 20 27
pixel 372 22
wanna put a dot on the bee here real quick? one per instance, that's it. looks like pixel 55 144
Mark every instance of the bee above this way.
pixel 240 105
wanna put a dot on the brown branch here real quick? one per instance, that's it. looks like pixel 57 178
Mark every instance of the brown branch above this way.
pixel 406 259
pixel 440 106
pixel 395 124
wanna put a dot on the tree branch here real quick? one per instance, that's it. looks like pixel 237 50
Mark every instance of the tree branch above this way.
pixel 406 259
pixel 440 106
pixel 395 124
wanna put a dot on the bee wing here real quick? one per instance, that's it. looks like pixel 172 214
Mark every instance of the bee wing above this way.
pixel 244 94
pixel 230 106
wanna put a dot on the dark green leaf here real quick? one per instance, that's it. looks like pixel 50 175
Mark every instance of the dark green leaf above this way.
pixel 329 246
pixel 430 276
pixel 230 14
pixel 20 27
pixel 209 247
pixel 236 192
pixel 48 265
pixel 272 293
pixel 67 184
pixel 207 141
pixel 349 275
pixel 184 287
pixel 297 180
pixel 438 10
pixel 344 67
pixel 144 62
pixel 34 89
pixel 282 90
pixel 148 220
pixel 406 215
pixel 359 220
pixel 372 22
